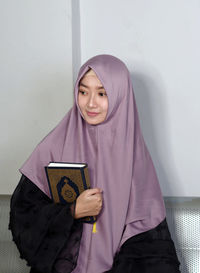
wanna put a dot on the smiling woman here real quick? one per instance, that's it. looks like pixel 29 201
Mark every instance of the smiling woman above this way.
pixel 102 129
pixel 92 99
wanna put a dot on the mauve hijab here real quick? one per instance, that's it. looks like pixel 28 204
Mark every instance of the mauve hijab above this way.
pixel 118 160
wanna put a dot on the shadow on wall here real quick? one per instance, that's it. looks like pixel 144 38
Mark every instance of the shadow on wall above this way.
pixel 150 98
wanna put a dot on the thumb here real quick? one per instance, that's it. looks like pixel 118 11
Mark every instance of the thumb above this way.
pixel 95 190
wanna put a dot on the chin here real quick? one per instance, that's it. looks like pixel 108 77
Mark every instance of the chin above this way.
pixel 92 122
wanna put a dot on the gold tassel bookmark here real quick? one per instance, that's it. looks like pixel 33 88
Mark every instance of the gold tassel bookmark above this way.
pixel 94 229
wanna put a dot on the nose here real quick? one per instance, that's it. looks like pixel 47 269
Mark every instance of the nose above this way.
pixel 92 101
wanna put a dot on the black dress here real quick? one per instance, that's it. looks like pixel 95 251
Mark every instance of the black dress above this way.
pixel 44 231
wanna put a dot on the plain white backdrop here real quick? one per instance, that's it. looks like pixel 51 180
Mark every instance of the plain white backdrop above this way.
pixel 36 78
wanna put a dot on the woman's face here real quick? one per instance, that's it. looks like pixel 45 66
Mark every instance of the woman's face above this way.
pixel 92 99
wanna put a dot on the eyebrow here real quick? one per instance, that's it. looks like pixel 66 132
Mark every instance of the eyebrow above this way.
pixel 99 87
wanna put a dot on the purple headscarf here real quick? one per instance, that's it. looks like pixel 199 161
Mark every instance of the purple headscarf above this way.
pixel 118 160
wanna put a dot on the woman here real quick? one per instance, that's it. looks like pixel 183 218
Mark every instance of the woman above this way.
pixel 102 129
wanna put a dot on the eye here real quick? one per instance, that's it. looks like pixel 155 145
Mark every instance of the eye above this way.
pixel 102 94
pixel 82 92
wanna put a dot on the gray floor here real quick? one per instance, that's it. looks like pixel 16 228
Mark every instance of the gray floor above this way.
pixel 183 216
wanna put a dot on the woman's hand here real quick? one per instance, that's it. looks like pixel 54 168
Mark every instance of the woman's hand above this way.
pixel 88 203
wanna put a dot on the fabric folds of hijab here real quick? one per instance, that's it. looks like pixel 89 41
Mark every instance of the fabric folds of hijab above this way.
pixel 118 160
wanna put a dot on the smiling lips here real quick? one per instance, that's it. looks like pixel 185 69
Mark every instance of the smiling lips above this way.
pixel 92 114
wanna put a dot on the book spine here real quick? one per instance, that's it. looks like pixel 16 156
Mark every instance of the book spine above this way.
pixel 48 182
pixel 83 178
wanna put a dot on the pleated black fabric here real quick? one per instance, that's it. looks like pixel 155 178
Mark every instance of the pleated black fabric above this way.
pixel 42 230
pixel 46 233
pixel 152 251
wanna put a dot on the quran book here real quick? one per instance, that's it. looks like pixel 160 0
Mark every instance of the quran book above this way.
pixel 67 181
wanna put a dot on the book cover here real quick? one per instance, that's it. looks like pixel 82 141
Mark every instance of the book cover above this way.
pixel 67 181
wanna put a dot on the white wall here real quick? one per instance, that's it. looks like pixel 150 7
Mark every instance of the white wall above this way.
pixel 36 78
pixel 159 41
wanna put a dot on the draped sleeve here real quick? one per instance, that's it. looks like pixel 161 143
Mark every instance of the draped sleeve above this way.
pixel 152 251
pixel 46 234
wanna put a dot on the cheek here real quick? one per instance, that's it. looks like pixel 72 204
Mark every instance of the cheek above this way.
pixel 106 106
pixel 80 101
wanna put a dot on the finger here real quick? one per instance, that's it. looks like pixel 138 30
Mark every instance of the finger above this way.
pixel 94 191
pixel 98 195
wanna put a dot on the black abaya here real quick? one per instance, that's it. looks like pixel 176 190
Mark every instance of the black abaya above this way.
pixel 47 235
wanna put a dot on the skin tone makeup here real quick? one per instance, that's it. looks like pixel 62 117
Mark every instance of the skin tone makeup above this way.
pixel 92 98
